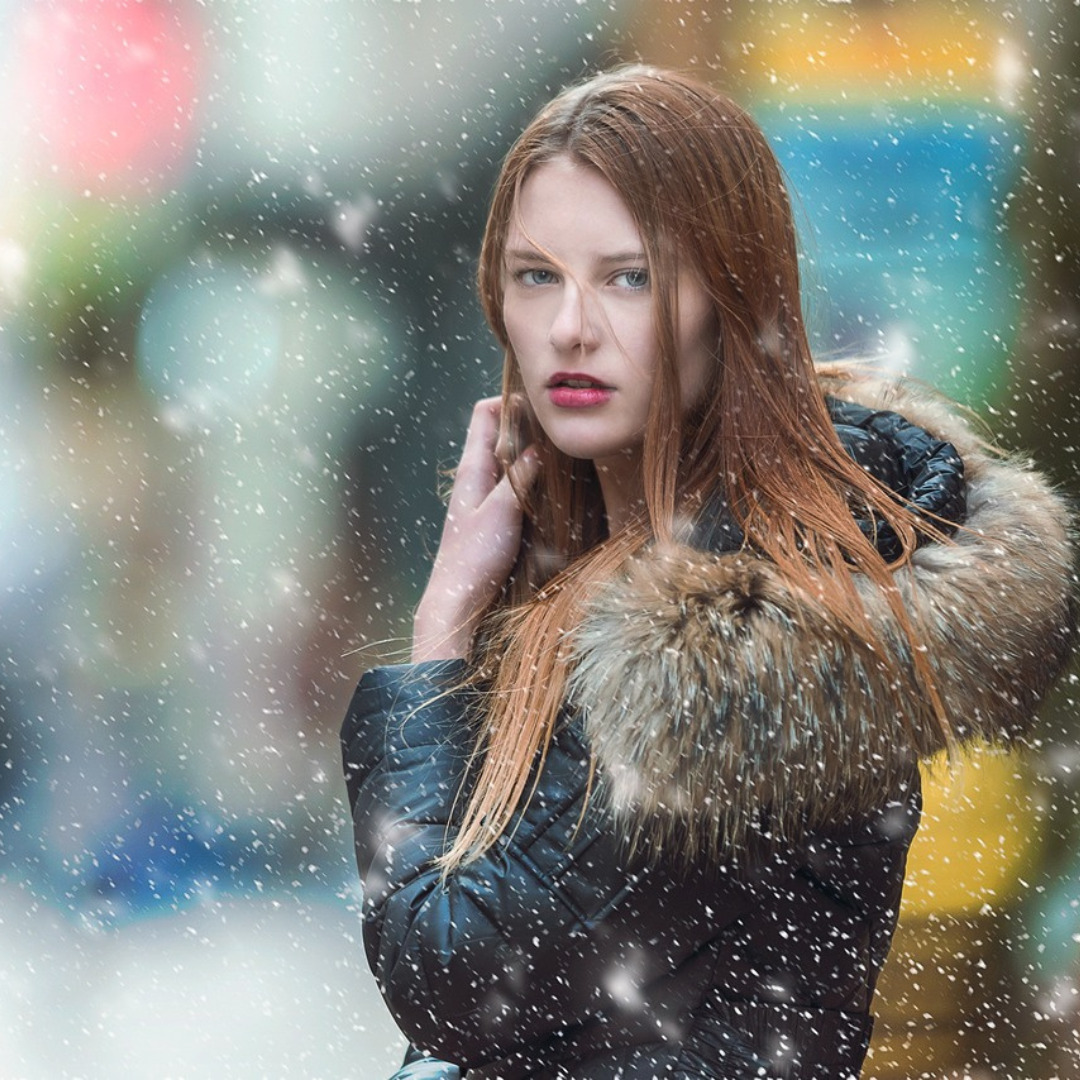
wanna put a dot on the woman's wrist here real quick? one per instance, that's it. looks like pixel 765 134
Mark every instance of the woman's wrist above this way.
pixel 441 631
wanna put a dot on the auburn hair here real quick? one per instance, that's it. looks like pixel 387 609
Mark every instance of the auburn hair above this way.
pixel 707 195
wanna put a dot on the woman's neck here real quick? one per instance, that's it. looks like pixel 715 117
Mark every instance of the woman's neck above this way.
pixel 622 489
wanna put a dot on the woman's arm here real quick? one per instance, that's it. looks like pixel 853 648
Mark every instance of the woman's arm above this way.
pixel 470 965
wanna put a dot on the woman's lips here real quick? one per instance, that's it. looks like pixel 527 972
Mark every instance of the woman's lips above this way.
pixel 571 390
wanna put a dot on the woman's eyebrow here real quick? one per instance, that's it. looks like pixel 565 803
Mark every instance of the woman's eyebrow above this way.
pixel 624 257
pixel 526 254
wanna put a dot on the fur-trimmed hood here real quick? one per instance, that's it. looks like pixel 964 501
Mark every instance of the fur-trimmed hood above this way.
pixel 725 706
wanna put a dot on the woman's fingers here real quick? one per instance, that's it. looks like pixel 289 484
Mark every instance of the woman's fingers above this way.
pixel 478 469
pixel 489 533
pixel 480 540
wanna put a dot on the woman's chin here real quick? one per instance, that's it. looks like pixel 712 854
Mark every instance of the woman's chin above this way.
pixel 614 453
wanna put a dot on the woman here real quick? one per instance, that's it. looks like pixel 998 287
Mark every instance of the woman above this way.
pixel 640 805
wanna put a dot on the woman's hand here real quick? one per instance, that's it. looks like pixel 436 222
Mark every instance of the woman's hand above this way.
pixel 479 543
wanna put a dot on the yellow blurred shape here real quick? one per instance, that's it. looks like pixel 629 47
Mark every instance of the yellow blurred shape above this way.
pixel 950 49
pixel 935 51
pixel 982 831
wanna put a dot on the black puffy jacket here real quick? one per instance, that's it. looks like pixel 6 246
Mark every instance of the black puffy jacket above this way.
pixel 558 954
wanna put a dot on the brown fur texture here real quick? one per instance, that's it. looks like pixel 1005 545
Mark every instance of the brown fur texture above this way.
pixel 726 709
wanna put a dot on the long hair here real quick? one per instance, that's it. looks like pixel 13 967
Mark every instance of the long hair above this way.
pixel 707 194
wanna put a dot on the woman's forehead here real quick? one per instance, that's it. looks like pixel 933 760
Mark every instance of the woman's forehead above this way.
pixel 564 206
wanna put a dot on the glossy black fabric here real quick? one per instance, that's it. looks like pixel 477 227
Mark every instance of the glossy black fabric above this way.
pixel 925 472
pixel 558 956
pixel 555 947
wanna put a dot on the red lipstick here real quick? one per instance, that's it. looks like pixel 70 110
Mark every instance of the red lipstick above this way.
pixel 576 390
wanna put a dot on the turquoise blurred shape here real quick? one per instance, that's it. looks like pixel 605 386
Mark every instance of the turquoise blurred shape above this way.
pixel 209 342
pixel 1053 924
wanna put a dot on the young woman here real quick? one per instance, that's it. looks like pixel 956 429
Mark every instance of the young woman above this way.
pixel 640 805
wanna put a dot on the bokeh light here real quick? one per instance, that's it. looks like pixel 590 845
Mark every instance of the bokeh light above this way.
pixel 209 343
pixel 116 108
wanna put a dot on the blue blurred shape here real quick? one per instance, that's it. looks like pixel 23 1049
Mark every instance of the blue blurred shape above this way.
pixel 165 856
pixel 905 252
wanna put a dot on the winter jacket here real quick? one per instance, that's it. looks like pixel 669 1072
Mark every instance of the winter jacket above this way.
pixel 722 906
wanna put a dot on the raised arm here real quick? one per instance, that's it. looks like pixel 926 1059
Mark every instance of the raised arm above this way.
pixel 479 542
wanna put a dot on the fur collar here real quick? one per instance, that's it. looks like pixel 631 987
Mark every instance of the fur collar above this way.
pixel 725 709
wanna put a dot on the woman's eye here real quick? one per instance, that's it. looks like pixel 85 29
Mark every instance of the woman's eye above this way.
pixel 535 277
pixel 632 279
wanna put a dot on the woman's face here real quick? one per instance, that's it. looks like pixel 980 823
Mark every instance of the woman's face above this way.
pixel 578 309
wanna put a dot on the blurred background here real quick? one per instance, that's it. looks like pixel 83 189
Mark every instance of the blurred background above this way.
pixel 238 340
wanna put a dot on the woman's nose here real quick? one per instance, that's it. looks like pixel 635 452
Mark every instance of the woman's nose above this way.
pixel 573 327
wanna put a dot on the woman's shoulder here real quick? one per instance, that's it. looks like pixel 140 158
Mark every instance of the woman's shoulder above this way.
pixel 718 693
pixel 882 429
pixel 912 416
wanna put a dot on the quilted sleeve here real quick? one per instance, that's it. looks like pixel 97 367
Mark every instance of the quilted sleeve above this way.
pixel 470 965
pixel 925 471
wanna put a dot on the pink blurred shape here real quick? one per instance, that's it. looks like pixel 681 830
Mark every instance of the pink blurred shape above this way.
pixel 110 88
